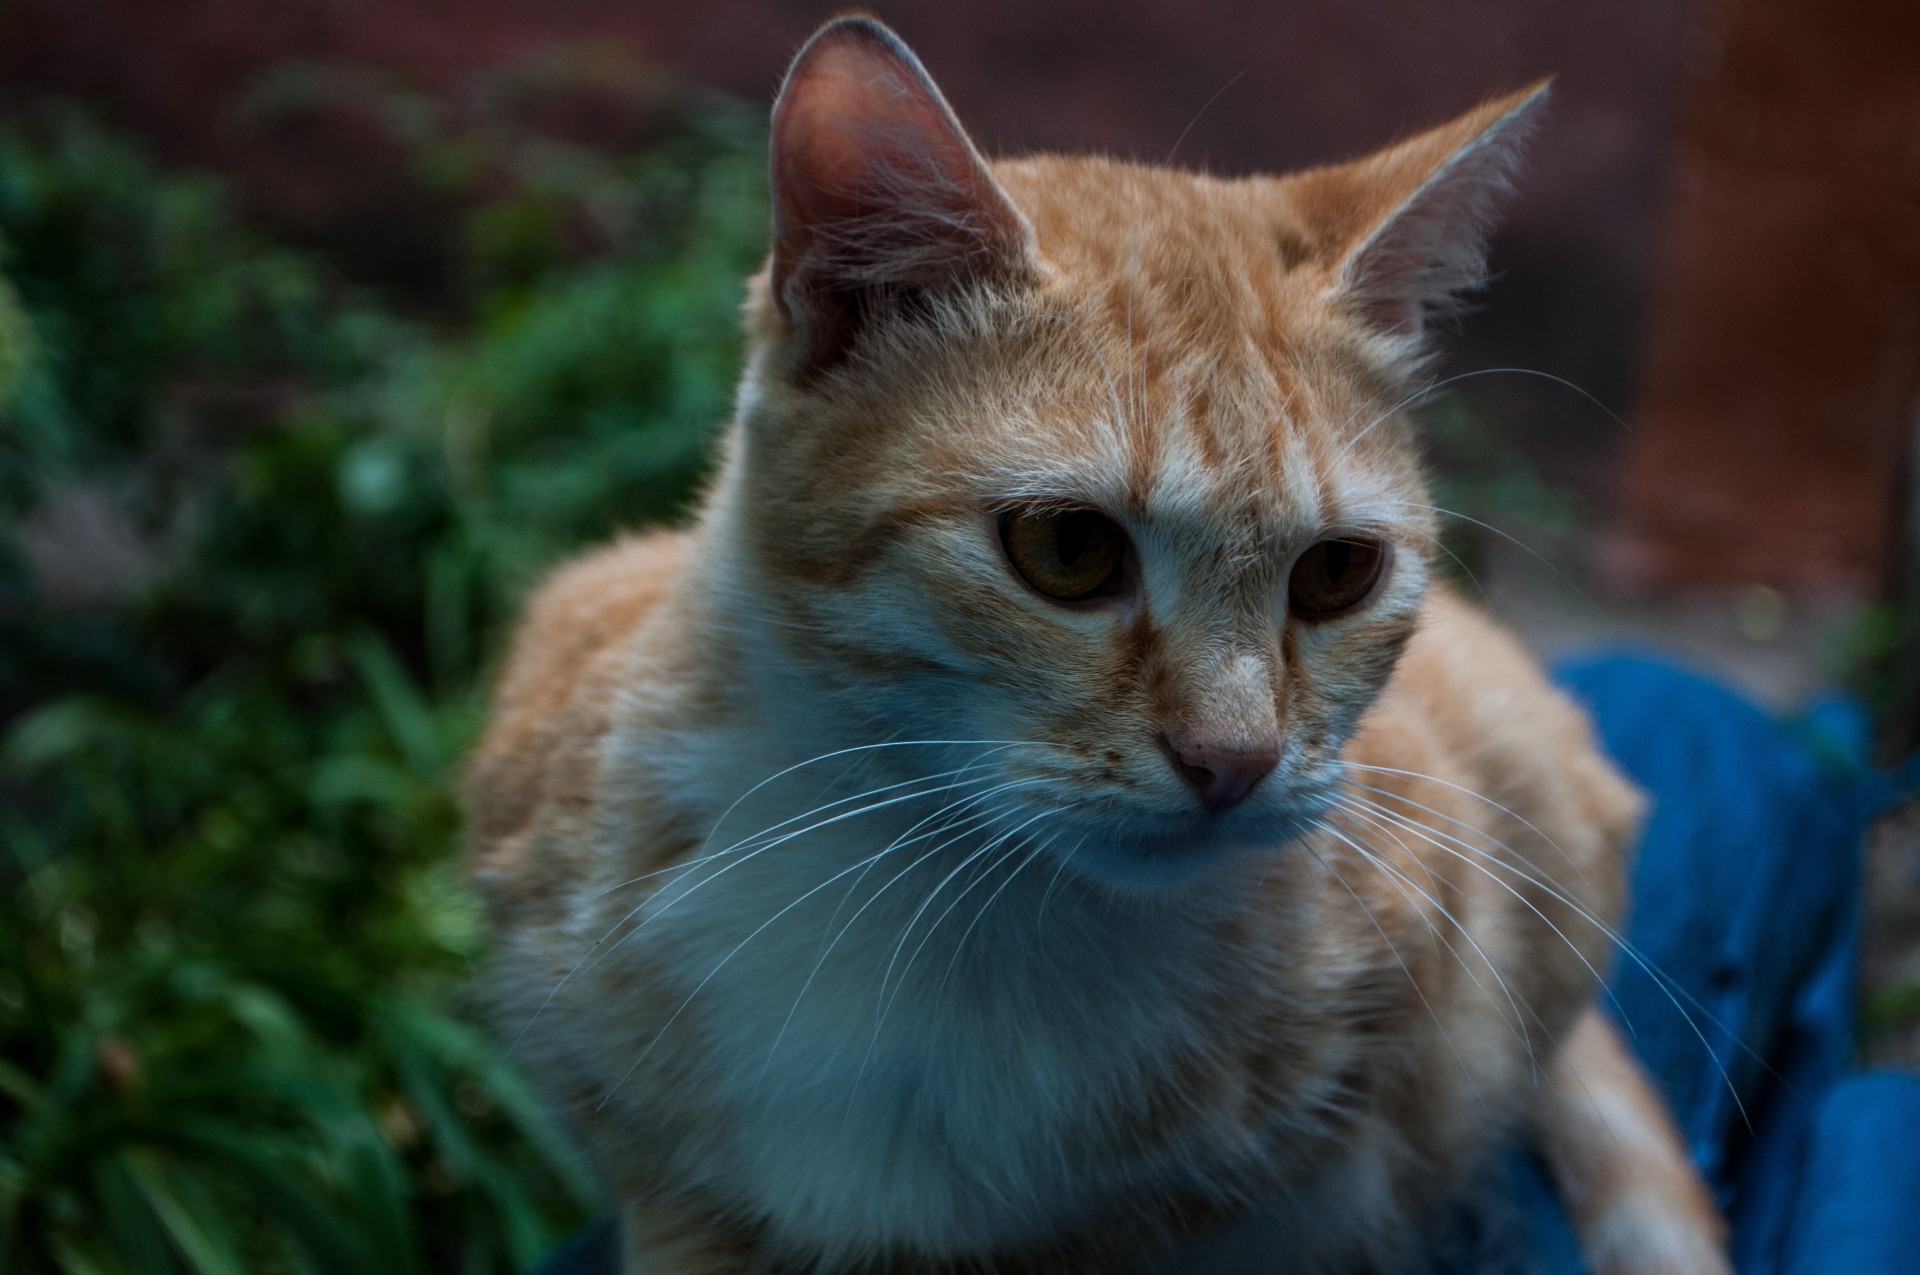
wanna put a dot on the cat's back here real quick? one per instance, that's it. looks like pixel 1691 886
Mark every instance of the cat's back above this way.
pixel 535 778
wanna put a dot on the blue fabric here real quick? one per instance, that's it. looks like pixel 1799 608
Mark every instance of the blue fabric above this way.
pixel 1736 985
pixel 1860 1210
pixel 1735 988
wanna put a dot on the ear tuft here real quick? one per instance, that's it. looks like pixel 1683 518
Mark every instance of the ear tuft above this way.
pixel 880 199
pixel 1437 198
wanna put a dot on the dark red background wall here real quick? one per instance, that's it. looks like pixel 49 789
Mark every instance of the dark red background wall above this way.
pixel 1781 380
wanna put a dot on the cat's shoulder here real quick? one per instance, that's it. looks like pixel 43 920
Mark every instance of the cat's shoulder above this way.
pixel 1465 662
pixel 582 611
pixel 1472 692
pixel 555 696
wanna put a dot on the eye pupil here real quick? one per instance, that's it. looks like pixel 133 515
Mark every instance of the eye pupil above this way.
pixel 1339 554
pixel 1072 534
pixel 1067 554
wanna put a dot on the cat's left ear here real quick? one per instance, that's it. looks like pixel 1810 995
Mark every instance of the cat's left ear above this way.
pixel 880 201
pixel 1417 215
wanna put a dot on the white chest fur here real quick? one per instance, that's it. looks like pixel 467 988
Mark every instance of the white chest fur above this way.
pixel 917 1050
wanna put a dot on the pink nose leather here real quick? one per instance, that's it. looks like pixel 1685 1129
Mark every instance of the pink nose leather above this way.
pixel 1221 777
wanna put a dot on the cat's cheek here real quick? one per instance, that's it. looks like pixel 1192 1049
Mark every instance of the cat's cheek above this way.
pixel 1337 675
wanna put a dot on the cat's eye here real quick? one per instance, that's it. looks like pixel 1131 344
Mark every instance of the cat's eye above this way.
pixel 1336 576
pixel 1071 555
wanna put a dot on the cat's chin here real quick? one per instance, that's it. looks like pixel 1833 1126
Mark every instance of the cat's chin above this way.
pixel 1170 854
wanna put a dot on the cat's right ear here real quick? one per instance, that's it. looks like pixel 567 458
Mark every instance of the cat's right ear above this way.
pixel 880 201
pixel 1409 224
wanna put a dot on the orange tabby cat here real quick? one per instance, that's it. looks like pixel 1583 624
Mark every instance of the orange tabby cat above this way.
pixel 1044 811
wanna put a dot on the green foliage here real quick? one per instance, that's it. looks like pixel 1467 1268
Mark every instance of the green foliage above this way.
pixel 232 1022
pixel 1484 491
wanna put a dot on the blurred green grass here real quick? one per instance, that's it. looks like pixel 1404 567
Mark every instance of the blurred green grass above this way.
pixel 234 1031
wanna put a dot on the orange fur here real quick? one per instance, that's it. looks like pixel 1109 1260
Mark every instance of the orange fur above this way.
pixel 847 903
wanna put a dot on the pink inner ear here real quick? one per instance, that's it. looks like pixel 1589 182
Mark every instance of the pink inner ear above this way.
pixel 875 183
pixel 855 120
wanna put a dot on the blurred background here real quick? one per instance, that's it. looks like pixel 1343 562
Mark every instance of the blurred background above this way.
pixel 327 325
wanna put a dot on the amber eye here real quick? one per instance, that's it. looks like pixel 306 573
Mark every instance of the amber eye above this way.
pixel 1335 576
pixel 1067 554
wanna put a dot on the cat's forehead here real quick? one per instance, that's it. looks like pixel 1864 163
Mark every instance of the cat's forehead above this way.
pixel 1182 246
pixel 1185 371
pixel 1172 470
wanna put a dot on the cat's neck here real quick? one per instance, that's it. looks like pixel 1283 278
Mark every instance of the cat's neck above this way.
pixel 749 684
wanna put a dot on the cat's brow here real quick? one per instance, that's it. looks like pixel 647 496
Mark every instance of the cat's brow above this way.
pixel 1063 481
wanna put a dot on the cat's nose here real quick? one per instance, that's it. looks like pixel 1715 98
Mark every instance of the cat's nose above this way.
pixel 1221 777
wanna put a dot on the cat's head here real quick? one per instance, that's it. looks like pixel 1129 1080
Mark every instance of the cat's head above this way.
pixel 1103 461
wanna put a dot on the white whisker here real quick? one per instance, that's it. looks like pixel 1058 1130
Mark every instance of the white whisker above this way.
pixel 1668 986
pixel 997 841
pixel 589 962
pixel 1033 852
pixel 1455 379
pixel 978 822
pixel 1518 1025
pixel 1399 960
